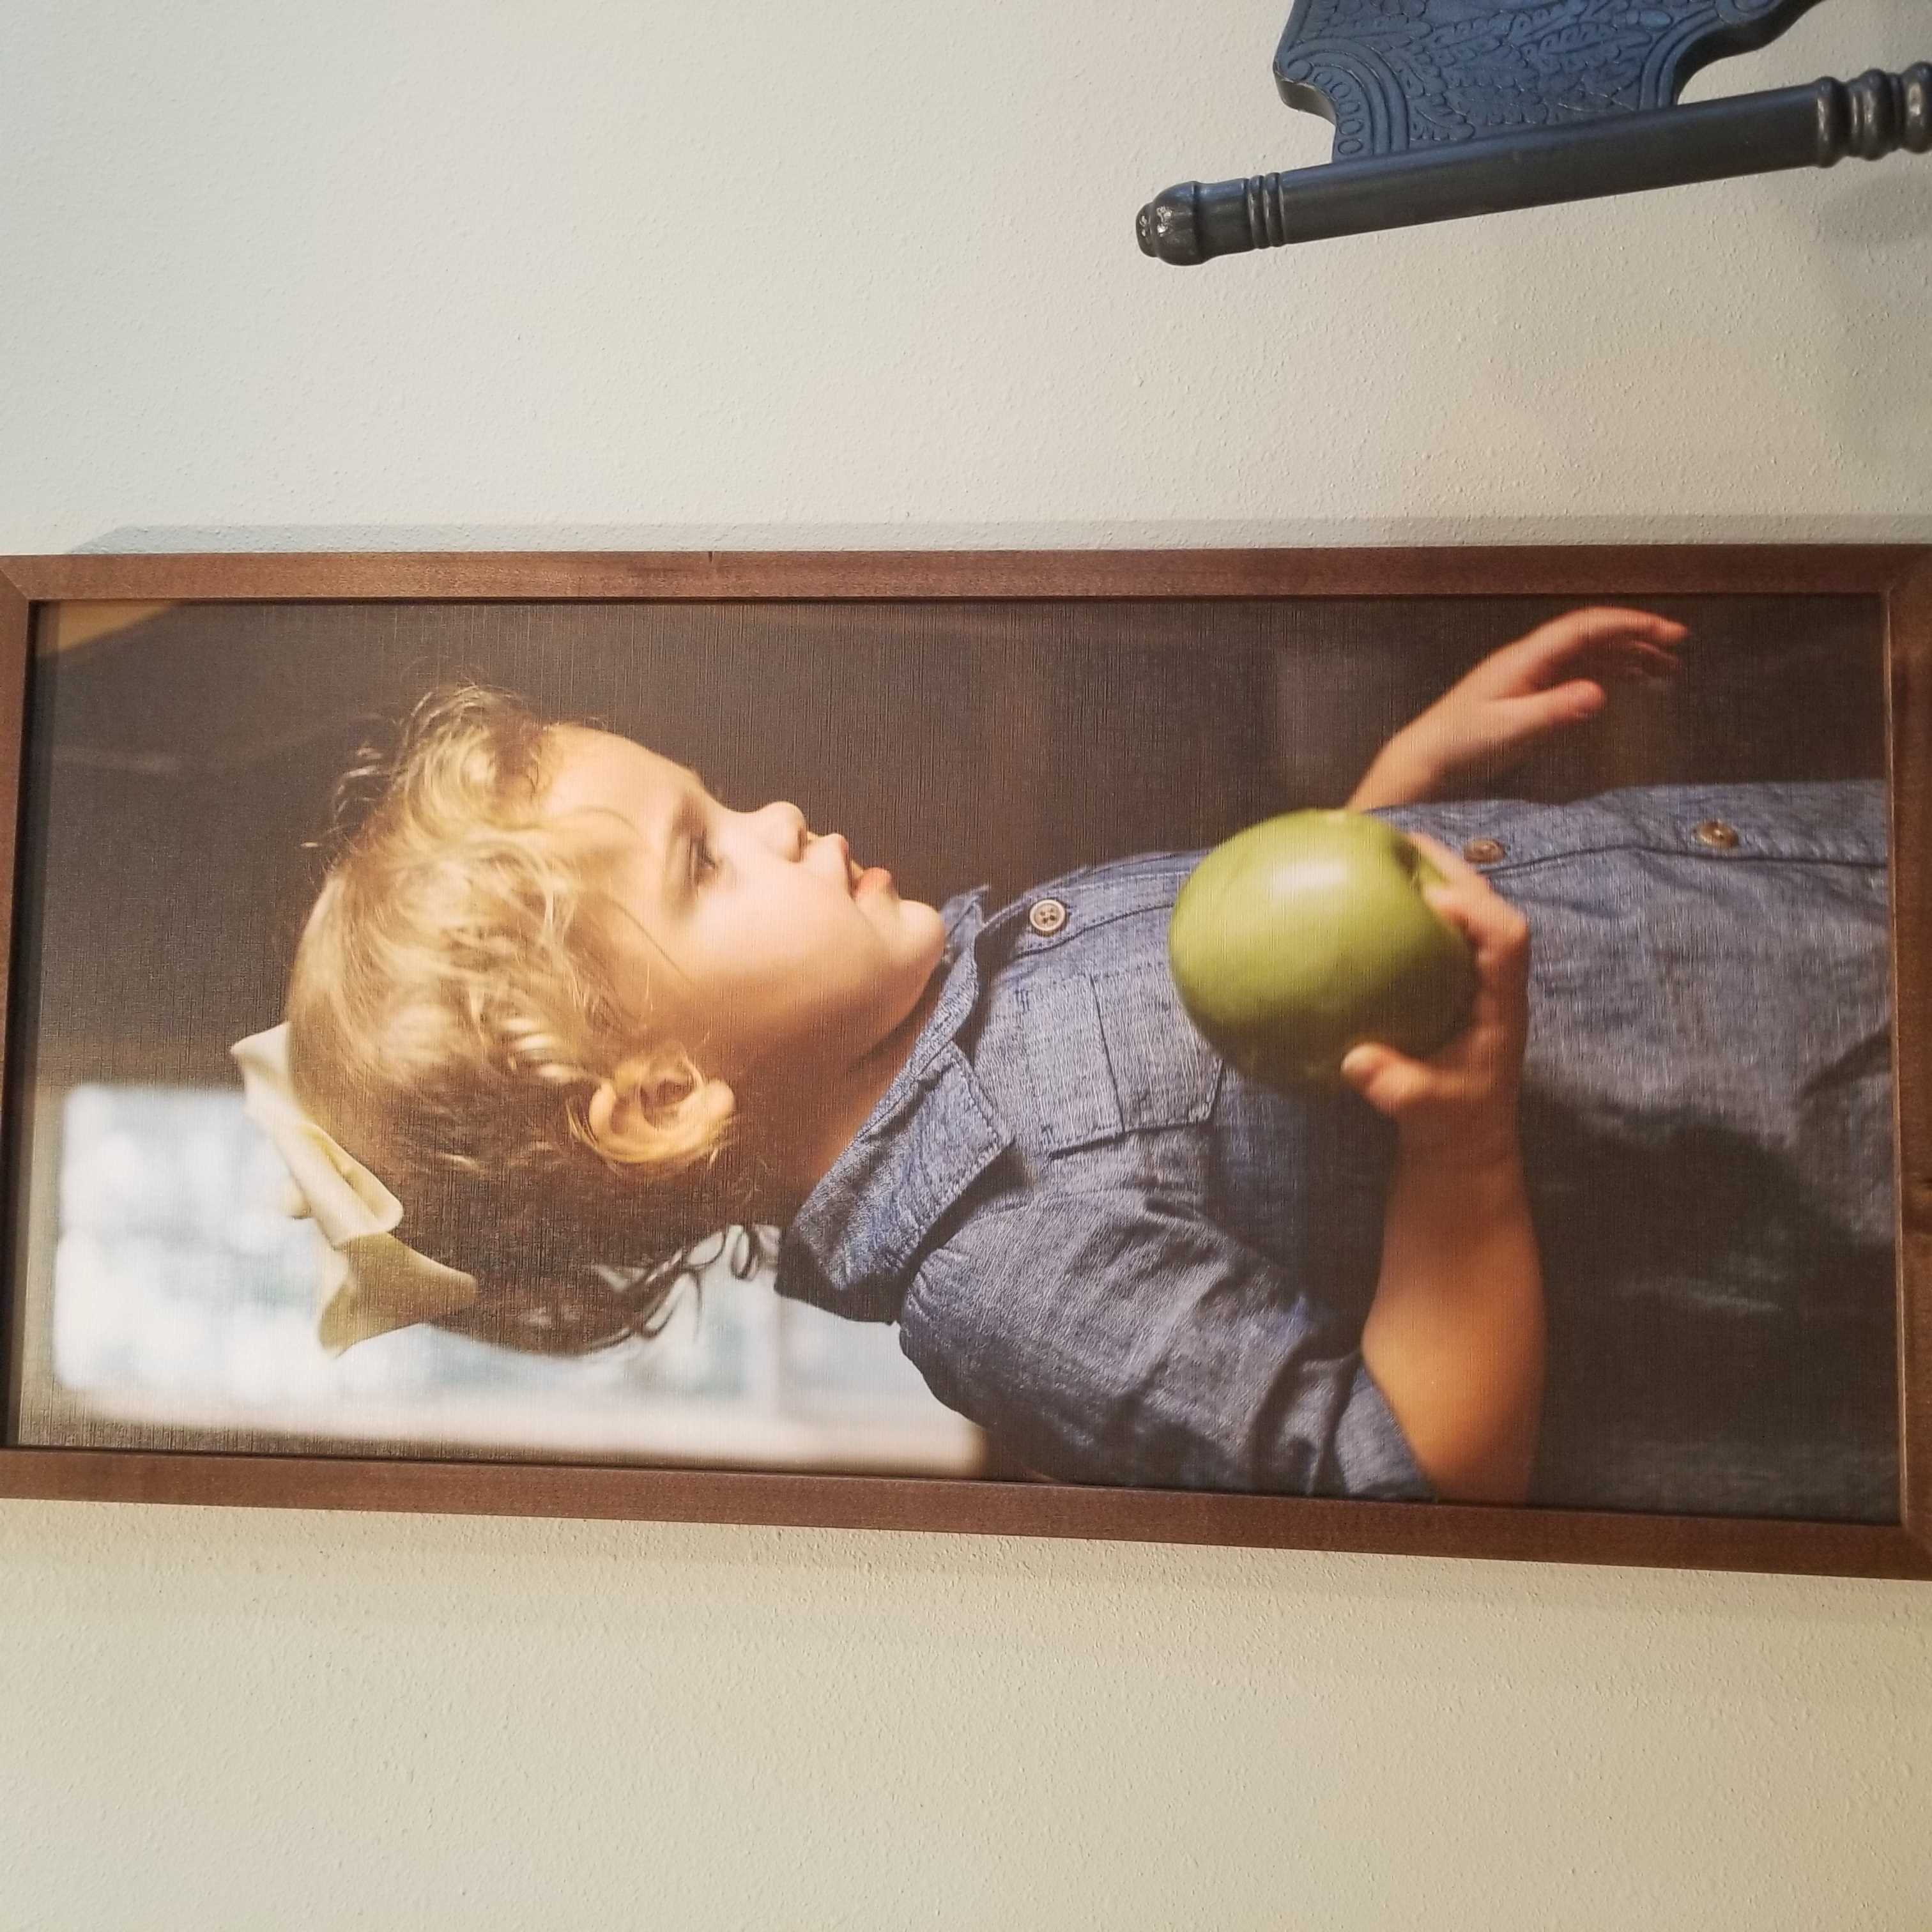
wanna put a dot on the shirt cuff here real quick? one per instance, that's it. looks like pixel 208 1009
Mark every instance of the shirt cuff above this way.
pixel 1372 1457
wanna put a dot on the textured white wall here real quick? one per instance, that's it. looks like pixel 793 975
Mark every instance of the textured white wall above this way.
pixel 380 273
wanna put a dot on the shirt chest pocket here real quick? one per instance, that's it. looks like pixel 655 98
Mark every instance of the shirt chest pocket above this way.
pixel 1113 1053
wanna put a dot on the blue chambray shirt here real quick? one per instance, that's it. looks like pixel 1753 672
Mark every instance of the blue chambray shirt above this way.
pixel 1130 1264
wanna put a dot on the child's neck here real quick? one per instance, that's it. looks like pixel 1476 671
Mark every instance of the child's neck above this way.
pixel 811 1130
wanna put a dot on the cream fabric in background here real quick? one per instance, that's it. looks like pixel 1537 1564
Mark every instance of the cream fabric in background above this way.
pixel 403 274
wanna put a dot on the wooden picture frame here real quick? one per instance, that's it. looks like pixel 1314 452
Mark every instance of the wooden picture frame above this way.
pixel 1897 582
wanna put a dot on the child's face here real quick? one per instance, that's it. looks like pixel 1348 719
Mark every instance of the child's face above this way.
pixel 762 946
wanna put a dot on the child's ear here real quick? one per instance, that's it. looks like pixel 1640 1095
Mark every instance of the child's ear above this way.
pixel 653 1113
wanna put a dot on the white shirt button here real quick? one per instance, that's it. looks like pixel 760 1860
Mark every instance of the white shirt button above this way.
pixel 1047 916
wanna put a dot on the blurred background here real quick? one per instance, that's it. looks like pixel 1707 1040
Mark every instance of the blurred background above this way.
pixel 181 759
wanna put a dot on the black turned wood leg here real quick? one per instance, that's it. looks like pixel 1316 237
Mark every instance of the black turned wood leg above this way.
pixel 1877 114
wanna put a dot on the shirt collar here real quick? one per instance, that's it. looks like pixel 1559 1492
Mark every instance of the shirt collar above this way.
pixel 934 1133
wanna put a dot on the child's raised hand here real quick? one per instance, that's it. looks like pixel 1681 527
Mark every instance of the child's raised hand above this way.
pixel 1553 678
pixel 1460 1104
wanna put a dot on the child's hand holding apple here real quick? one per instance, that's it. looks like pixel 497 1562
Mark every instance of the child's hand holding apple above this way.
pixel 1309 934
pixel 1323 949
pixel 1459 1104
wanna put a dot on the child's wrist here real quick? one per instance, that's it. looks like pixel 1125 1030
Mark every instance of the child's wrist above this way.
pixel 1402 773
pixel 1490 1146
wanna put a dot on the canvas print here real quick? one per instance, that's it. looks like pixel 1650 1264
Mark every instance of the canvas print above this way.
pixel 1432 1048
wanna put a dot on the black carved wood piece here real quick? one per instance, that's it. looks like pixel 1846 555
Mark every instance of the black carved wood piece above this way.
pixel 1449 108
pixel 1394 75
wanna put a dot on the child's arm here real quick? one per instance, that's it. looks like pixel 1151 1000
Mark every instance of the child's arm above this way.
pixel 1482 726
pixel 1454 1338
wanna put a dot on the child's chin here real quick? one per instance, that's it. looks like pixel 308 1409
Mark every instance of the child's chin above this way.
pixel 925 920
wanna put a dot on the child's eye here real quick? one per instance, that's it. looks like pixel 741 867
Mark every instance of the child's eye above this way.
pixel 703 862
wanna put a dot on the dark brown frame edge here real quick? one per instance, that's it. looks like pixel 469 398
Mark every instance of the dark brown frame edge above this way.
pixel 1899 576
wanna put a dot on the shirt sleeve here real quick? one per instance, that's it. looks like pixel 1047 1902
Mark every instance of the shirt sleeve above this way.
pixel 1116 1338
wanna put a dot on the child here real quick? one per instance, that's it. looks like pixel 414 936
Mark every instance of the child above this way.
pixel 556 1008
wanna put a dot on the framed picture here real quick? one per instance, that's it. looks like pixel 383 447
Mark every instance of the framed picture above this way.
pixel 729 1038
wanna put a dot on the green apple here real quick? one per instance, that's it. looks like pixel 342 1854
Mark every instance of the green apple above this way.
pixel 1308 934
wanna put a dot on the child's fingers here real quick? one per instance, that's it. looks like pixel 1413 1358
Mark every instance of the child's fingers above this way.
pixel 1637 657
pixel 1601 623
pixel 1450 862
pixel 1542 711
pixel 1595 628
pixel 1390 1081
pixel 1497 931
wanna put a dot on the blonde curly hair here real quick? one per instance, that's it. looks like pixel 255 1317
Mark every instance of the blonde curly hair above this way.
pixel 457 1021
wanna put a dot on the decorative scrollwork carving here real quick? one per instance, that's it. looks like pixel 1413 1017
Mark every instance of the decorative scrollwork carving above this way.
pixel 1394 75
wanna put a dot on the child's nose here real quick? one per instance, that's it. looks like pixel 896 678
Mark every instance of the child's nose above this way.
pixel 786 824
